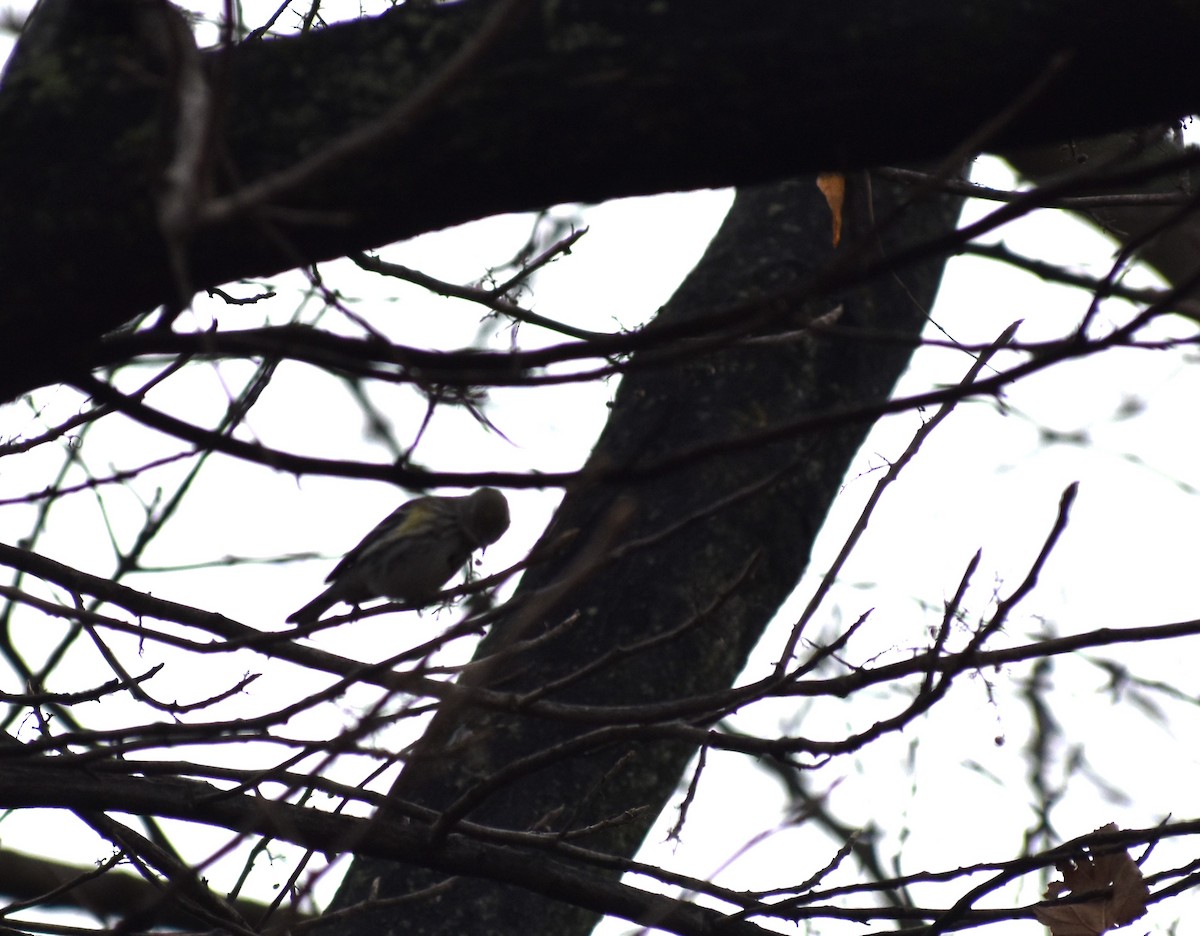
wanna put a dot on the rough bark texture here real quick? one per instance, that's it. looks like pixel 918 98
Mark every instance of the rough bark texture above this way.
pixel 1165 236
pixel 578 100
pixel 720 541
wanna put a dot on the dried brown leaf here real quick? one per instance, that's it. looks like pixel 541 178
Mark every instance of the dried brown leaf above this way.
pixel 833 187
pixel 1115 880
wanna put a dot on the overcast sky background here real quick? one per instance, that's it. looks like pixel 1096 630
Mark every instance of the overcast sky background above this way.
pixel 950 791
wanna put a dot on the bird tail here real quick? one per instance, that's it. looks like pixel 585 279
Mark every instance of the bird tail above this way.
pixel 312 611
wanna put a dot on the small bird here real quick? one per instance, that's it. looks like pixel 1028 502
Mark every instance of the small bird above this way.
pixel 413 552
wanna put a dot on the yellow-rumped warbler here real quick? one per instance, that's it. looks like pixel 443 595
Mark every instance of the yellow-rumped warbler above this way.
pixel 413 552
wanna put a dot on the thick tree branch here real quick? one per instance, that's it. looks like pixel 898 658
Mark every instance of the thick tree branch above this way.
pixel 583 100
pixel 102 891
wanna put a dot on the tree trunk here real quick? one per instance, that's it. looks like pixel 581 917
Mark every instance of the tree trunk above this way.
pixel 682 556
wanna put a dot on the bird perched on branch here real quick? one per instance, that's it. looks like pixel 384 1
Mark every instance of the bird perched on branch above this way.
pixel 413 552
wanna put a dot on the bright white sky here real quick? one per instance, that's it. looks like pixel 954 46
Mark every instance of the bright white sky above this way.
pixel 944 794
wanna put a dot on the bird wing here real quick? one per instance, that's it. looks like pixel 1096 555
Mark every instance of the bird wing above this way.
pixel 394 524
